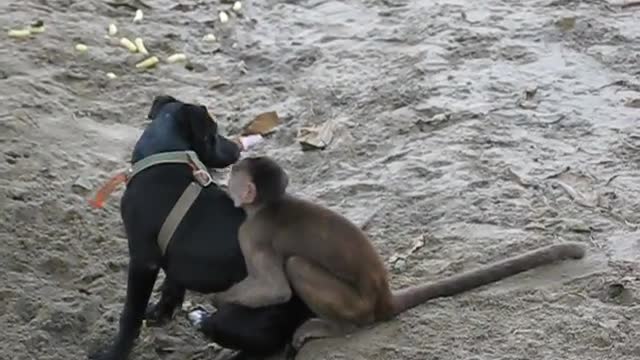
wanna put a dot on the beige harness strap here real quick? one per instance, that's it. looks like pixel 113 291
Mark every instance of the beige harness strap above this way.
pixel 189 195
pixel 176 214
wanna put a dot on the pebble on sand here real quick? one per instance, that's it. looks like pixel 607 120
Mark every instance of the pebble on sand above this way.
pixel 223 17
pixel 237 6
pixel 81 47
pixel 113 29
pixel 111 75
pixel 209 38
pixel 138 17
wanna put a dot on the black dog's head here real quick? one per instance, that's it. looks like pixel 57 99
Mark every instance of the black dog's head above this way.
pixel 176 126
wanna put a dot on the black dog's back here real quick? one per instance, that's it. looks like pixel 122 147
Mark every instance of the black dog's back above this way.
pixel 203 254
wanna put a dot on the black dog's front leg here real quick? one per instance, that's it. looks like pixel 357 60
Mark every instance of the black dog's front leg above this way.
pixel 171 296
pixel 140 283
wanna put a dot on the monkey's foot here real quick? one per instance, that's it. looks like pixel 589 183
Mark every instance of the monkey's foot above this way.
pixel 316 329
pixel 197 316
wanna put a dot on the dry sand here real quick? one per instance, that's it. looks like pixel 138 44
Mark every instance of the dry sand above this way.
pixel 437 139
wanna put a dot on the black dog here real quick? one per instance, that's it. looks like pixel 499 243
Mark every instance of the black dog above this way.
pixel 204 254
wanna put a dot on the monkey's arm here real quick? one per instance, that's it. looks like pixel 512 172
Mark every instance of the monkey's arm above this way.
pixel 266 283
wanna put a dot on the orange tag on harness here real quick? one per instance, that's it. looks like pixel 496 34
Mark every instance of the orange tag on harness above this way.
pixel 106 190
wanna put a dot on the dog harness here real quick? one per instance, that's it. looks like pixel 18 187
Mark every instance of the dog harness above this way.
pixel 201 176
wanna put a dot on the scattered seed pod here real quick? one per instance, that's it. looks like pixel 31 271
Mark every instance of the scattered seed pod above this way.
pixel 37 30
pixel 223 17
pixel 237 6
pixel 113 29
pixel 138 17
pixel 148 63
pixel 176 58
pixel 111 75
pixel 20 33
pixel 209 38
pixel 81 47
pixel 128 44
pixel 140 45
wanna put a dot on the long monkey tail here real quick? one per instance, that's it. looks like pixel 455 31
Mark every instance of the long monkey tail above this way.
pixel 410 297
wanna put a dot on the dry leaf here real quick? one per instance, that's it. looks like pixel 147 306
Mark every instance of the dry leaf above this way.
pixel 418 243
pixel 316 137
pixel 263 124
pixel 566 23
pixel 399 261
pixel 633 103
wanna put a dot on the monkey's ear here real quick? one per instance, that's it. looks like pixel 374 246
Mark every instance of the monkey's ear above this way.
pixel 158 103
pixel 250 194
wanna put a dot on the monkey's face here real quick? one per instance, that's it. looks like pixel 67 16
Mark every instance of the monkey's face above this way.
pixel 241 188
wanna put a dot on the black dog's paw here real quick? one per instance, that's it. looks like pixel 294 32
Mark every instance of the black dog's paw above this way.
pixel 155 317
pixel 102 355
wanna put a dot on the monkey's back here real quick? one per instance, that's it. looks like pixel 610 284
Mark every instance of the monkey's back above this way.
pixel 332 241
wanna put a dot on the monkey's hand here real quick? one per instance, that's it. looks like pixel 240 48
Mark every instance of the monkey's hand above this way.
pixel 217 300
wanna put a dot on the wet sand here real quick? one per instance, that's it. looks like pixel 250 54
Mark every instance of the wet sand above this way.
pixel 485 129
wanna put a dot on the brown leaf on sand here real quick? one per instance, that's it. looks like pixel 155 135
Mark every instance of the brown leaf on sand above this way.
pixel 316 137
pixel 263 124
pixel 566 23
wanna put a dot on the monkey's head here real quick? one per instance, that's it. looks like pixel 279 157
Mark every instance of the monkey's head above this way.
pixel 257 181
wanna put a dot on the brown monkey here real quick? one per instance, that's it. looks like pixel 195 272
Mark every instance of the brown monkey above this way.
pixel 290 244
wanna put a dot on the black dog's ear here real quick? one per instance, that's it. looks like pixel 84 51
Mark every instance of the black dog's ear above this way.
pixel 158 103
pixel 214 150
pixel 201 126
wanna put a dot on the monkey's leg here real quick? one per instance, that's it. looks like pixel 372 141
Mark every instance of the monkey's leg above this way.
pixel 326 295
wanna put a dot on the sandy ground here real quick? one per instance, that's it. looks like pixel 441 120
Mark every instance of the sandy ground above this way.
pixel 484 128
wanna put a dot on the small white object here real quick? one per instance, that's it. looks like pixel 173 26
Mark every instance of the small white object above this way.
pixel 113 29
pixel 237 6
pixel 250 140
pixel 138 17
pixel 209 38
pixel 81 47
pixel 196 317
pixel 176 58
pixel 111 75
pixel 223 17
pixel 140 45
pixel 187 305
